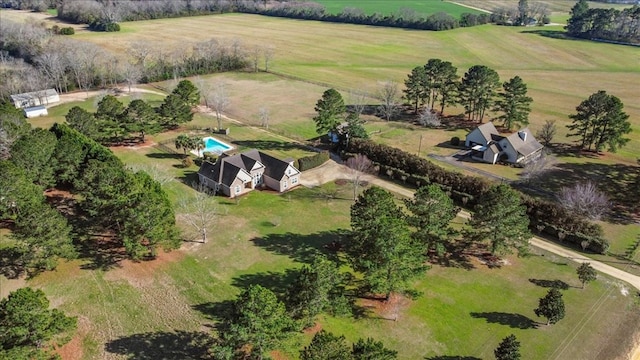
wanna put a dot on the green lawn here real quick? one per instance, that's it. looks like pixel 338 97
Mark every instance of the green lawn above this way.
pixel 391 7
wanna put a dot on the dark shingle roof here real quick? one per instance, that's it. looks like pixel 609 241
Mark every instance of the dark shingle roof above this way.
pixel 524 147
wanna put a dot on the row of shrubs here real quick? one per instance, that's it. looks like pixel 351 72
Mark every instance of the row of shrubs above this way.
pixel 545 216
pixel 306 11
pixel 312 161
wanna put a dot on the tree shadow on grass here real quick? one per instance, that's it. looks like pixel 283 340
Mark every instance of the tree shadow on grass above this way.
pixel 613 179
pixel 177 345
pixel 554 34
pixel 515 321
pixel 270 145
pixel 216 311
pixel 558 284
pixel 278 282
pixel 158 155
pixel 303 248
pixel 452 357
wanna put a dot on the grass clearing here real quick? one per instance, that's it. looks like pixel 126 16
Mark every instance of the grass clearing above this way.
pixel 391 7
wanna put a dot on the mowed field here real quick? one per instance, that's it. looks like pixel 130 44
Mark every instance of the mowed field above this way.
pixel 560 73
pixel 389 7
pixel 152 309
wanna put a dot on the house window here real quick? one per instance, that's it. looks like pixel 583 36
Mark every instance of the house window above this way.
pixel 238 189
pixel 294 180
pixel 288 171
pixel 284 184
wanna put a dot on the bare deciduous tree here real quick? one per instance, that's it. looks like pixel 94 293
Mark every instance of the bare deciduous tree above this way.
pixel 219 101
pixel 268 51
pixel 199 211
pixel 429 118
pixel 547 132
pixel 357 102
pixel 255 53
pixel 585 199
pixel 132 73
pixel 263 114
pixel 389 94
pixel 155 172
pixel 359 166
pixel 534 169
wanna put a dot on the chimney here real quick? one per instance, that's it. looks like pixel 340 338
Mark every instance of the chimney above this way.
pixel 522 135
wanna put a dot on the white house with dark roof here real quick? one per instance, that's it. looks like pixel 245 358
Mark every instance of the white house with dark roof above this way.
pixel 489 146
pixel 238 174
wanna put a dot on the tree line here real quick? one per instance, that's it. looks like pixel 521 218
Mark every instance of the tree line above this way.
pixel 108 199
pixel 113 123
pixel 604 24
pixel 405 18
pixel 32 58
pixel 436 84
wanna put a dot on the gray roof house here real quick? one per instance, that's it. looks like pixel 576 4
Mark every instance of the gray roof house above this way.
pixel 35 98
pixel 489 146
pixel 238 174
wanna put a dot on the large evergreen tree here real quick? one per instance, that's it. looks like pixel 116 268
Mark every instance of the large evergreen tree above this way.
pixel 431 211
pixel 415 88
pixel 509 349
pixel 330 109
pixel 18 193
pixel 317 288
pixel 501 218
pixel 576 25
pixel 600 121
pixel 34 153
pixel 514 103
pixel 83 121
pixel 370 349
pixel 142 118
pixel 257 321
pixel 174 111
pixel 380 245
pixel 27 324
pixel 551 306
pixel 477 91
pixel 440 76
pixel 188 92
pixel 326 346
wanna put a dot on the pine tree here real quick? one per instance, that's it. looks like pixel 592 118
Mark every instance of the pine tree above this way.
pixel 477 91
pixel 600 121
pixel 415 92
pixel 501 218
pixel 380 245
pixel 370 349
pixel 431 211
pixel 326 346
pixel 576 25
pixel 330 109
pixel 514 103
pixel 509 349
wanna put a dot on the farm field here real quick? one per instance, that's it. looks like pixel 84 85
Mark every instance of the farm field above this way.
pixel 390 7
pixel 151 309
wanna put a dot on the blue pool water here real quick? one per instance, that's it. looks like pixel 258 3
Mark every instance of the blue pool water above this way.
pixel 215 146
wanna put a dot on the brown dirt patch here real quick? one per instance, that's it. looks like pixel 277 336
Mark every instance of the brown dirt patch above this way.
pixel 314 329
pixel 277 355
pixel 341 182
pixel 142 272
pixel 388 310
pixel 73 349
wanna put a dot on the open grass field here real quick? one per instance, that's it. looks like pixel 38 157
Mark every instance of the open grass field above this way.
pixel 150 309
pixel 553 5
pixel 390 7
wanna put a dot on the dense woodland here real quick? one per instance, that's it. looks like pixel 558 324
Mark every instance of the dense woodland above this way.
pixel 32 57
pixel 604 24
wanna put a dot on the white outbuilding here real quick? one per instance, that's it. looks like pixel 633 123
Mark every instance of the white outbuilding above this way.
pixel 35 98
pixel 35 111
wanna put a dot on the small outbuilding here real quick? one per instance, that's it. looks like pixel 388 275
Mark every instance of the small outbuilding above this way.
pixel 35 98
pixel 35 111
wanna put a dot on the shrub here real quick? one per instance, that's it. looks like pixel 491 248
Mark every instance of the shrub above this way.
pixel 209 156
pixel 455 141
pixel 309 162
pixel 187 162
pixel 67 31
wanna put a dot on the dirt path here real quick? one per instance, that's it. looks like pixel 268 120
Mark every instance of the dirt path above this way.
pixel 471 7
pixel 84 95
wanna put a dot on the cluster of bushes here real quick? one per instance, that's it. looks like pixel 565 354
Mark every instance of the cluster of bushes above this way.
pixel 101 25
pixel 545 216
pixel 312 161
pixel 62 31
pixel 407 19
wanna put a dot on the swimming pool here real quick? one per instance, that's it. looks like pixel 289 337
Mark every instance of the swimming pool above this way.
pixel 213 145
